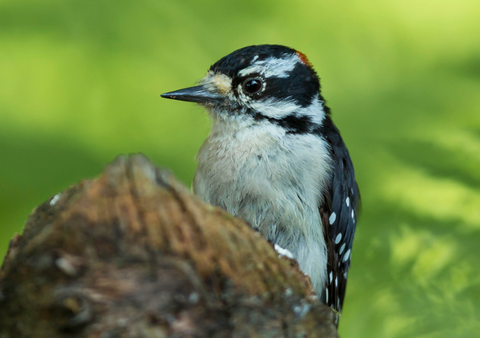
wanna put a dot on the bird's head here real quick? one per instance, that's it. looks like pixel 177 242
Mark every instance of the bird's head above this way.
pixel 264 83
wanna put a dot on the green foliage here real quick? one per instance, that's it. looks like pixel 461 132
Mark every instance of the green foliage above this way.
pixel 80 83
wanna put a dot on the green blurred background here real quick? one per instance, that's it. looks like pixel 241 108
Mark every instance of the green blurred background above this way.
pixel 80 82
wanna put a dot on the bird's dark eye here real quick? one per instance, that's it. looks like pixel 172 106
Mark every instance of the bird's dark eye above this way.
pixel 252 86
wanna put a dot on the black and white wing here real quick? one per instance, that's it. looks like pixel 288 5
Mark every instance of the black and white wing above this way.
pixel 339 216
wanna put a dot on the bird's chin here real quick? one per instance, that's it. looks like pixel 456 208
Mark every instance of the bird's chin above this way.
pixel 213 110
pixel 227 112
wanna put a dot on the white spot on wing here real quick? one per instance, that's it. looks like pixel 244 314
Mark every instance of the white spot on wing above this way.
pixel 332 218
pixel 338 238
pixel 283 252
pixel 347 201
pixel 336 282
pixel 341 249
pixel 326 295
pixel 331 276
pixel 353 215
pixel 347 255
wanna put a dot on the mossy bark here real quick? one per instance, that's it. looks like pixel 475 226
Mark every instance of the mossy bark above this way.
pixel 134 254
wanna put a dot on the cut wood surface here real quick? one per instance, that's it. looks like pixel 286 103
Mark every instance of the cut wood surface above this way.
pixel 134 254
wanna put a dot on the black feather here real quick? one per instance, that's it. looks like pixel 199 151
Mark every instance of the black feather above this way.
pixel 341 198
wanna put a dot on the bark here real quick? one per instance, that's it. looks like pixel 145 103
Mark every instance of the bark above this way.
pixel 134 254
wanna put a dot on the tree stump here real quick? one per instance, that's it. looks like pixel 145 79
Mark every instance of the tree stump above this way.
pixel 134 254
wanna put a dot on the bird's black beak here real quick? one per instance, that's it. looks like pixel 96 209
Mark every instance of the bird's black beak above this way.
pixel 198 94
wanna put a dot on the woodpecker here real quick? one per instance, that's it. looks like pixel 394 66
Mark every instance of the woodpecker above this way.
pixel 275 159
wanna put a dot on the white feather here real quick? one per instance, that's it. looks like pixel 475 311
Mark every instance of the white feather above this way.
pixel 280 108
pixel 271 179
pixel 272 67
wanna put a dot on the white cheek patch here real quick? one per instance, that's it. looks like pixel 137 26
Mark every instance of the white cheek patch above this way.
pixel 279 109
pixel 274 108
pixel 315 111
pixel 272 67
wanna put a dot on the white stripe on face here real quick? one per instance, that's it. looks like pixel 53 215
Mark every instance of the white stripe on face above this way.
pixel 275 108
pixel 272 67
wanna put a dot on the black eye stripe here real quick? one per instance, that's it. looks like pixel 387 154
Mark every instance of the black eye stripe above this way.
pixel 294 124
pixel 301 86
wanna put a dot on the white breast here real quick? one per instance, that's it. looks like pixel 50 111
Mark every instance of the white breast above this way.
pixel 272 180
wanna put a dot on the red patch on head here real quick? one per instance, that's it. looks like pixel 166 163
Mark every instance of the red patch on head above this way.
pixel 304 59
